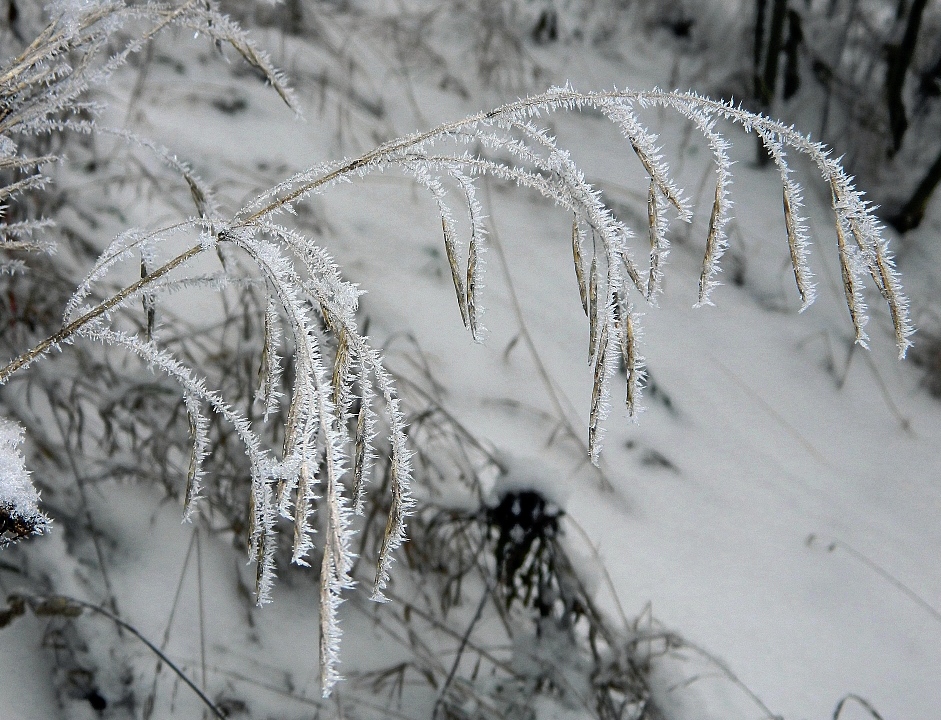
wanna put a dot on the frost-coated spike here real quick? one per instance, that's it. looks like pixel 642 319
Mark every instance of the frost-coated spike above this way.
pixel 269 371
pixel 659 245
pixel 199 433
pixel 334 578
pixel 797 245
pixel 302 508
pixel 849 271
pixel 303 281
pixel 475 263
pixel 473 274
pixel 359 456
pixel 794 223
pixel 400 472
pixel 644 145
pixel 577 237
pixel 633 362
pixel 592 309
pixel 341 369
pixel 599 396
pixel 450 250
pixel 713 249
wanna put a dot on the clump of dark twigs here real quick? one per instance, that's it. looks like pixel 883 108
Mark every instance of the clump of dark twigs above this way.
pixel 495 617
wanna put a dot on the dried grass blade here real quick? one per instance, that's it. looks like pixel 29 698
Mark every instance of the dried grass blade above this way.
pixel 632 273
pixel 793 246
pixel 878 271
pixel 450 250
pixel 849 282
pixel 197 193
pixel 653 230
pixel 472 259
pixel 881 272
pixel 252 525
pixel 579 265
pixel 290 426
pixel 899 321
pixel 597 392
pixel 629 354
pixel 340 368
pixel 712 241
pixel 264 363
pixel 191 473
pixel 148 301
pixel 327 621
pixel 261 553
pixel 300 514
pixel 269 366
pixel 359 456
pixel 593 310
pixel 393 529
pixel 655 177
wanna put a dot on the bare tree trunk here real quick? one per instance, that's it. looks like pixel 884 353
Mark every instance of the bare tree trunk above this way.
pixel 766 78
pixel 913 212
pixel 900 58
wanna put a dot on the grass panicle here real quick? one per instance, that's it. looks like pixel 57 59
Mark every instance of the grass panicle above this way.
pixel 339 387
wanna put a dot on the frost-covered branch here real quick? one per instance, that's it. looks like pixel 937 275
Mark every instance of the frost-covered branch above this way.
pixel 340 385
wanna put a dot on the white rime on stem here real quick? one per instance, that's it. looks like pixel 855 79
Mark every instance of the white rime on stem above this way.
pixel 310 308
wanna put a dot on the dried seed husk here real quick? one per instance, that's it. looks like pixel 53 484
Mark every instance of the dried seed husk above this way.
pixel 450 250
pixel 632 273
pixel 300 510
pixel 148 302
pixel 712 241
pixel 882 276
pixel 597 391
pixel 196 192
pixel 653 230
pixel 849 282
pixel 579 264
pixel 340 368
pixel 895 310
pixel 359 456
pixel 260 563
pixel 472 259
pixel 593 309
pixel 664 188
pixel 193 469
pixel 393 525
pixel 791 227
pixel 252 525
pixel 265 366
pixel 629 354
pixel 877 270
pixel 290 425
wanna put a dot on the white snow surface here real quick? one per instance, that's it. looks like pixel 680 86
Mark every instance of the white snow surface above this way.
pixel 778 504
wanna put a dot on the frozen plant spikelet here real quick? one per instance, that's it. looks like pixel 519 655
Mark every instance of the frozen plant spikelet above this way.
pixel 339 382
pixel 199 430
pixel 269 372
pixel 795 224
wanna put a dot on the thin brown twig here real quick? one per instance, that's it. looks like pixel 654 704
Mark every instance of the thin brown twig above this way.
pixel 66 600
pixel 56 339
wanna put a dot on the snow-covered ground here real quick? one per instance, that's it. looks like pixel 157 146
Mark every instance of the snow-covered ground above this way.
pixel 778 504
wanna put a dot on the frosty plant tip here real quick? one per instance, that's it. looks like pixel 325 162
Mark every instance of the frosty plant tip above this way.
pixel 310 313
